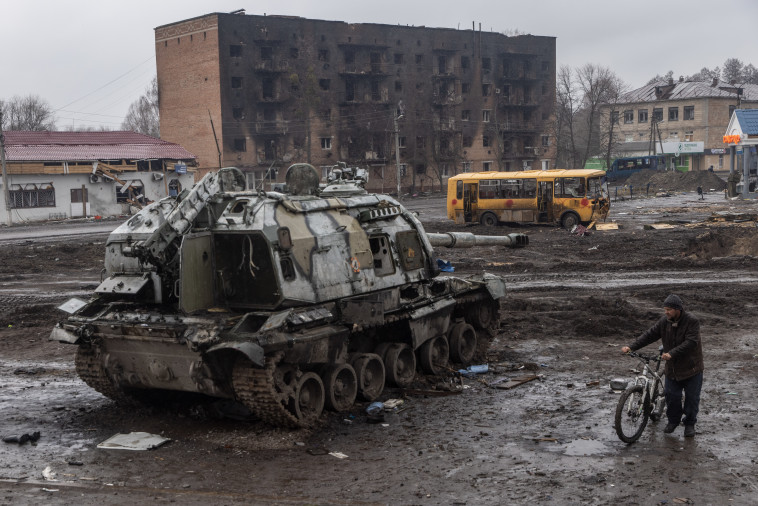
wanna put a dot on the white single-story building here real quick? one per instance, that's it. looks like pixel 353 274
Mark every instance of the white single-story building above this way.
pixel 57 175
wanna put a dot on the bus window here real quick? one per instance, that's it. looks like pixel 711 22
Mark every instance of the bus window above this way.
pixel 595 188
pixel 489 189
pixel 459 189
pixel 569 187
pixel 529 188
pixel 510 188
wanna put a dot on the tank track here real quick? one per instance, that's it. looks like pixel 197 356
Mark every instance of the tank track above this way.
pixel 90 369
pixel 255 388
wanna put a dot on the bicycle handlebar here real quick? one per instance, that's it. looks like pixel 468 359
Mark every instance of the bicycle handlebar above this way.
pixel 646 358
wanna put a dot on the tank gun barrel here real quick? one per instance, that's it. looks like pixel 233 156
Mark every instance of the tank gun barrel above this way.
pixel 469 240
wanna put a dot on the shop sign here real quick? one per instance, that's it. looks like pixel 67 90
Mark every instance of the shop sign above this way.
pixel 677 147
pixel 731 139
pixel 715 151
pixel 180 168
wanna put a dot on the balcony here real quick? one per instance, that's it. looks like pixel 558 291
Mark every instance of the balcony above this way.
pixel 272 127
pixel 272 98
pixel 367 70
pixel 271 66
pixel 446 99
pixel 446 125
pixel 518 126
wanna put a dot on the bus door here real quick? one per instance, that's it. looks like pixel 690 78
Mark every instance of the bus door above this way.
pixel 470 201
pixel 545 201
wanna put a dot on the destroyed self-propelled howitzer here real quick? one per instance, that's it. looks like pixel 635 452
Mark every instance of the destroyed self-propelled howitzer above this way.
pixel 286 301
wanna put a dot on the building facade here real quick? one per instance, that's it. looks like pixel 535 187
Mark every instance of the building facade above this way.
pixel 262 92
pixel 684 120
pixel 57 175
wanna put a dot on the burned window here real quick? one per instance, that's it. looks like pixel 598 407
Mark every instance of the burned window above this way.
pixel 380 249
pixel 689 112
pixel 468 141
pixel 324 84
pixel 267 87
pixel 569 187
pixel 398 86
pixel 267 53
pixel 658 114
pixel 485 141
pixel 486 90
pixel 294 53
pixel 240 145
pixel 323 55
pixel 376 95
pixel 236 82
pixel 466 114
pixel 419 59
pixel 465 88
pixel 486 63
pixel 235 50
pixel 420 142
pixel 238 113
pixel 545 66
pixel 349 57
pixel 326 143
pixel 465 62
pixel 486 116
pixel 420 168
pixel 442 64
pixel 32 195
pixel 398 58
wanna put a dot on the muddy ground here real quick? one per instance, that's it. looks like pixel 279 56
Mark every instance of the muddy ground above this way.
pixel 572 302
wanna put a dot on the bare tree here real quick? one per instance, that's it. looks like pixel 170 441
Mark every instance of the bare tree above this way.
pixel 668 75
pixel 567 106
pixel 750 74
pixel 27 113
pixel 143 115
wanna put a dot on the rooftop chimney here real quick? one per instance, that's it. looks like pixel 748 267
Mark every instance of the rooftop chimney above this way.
pixel 715 82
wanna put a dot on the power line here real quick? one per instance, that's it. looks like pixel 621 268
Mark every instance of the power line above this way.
pixel 106 84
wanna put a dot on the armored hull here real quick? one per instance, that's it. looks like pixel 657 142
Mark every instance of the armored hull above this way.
pixel 287 302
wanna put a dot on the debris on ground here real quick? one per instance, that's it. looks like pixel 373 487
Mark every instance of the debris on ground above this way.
pixel 516 382
pixel 23 438
pixel 138 441
pixel 473 370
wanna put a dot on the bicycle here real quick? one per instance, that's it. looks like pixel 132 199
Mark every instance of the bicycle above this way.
pixel 641 400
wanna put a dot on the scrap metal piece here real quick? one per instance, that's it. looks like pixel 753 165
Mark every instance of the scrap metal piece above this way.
pixel 136 441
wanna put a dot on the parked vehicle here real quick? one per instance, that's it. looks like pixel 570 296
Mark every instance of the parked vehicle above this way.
pixel 564 197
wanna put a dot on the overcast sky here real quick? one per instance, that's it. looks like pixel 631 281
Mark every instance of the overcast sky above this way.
pixel 91 59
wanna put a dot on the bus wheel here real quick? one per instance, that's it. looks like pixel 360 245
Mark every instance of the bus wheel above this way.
pixel 569 221
pixel 488 220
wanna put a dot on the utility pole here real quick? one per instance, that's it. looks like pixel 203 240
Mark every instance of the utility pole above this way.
pixel 6 192
pixel 397 151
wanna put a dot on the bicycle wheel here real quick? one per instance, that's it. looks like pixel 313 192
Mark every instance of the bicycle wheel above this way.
pixel 631 414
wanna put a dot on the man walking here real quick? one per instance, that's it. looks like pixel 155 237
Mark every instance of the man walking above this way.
pixel 679 333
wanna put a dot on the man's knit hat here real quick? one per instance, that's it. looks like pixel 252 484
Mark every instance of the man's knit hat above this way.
pixel 674 302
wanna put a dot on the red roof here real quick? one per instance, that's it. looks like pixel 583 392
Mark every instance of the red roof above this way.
pixel 88 146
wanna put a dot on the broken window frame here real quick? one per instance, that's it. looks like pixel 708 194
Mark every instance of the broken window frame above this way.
pixel 673 113
pixel 689 112
pixel 326 143
pixel 31 195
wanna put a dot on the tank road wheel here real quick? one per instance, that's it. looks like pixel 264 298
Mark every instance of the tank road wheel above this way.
pixel 369 369
pixel 400 365
pixel 462 343
pixel 434 355
pixel 274 393
pixel 483 315
pixel 308 402
pixel 341 387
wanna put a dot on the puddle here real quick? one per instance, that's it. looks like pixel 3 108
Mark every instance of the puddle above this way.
pixel 585 447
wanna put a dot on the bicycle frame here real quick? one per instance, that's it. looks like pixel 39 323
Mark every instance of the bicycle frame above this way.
pixel 642 399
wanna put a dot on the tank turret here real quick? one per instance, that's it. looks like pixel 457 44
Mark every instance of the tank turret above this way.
pixel 288 302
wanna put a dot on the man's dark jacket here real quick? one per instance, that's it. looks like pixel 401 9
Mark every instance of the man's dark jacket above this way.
pixel 681 339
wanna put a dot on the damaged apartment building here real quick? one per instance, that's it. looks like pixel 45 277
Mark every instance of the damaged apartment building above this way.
pixel 263 92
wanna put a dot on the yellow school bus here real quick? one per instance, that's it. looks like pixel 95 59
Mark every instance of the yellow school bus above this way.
pixel 564 197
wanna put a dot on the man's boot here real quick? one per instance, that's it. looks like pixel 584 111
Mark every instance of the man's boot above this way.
pixel 670 427
pixel 689 431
